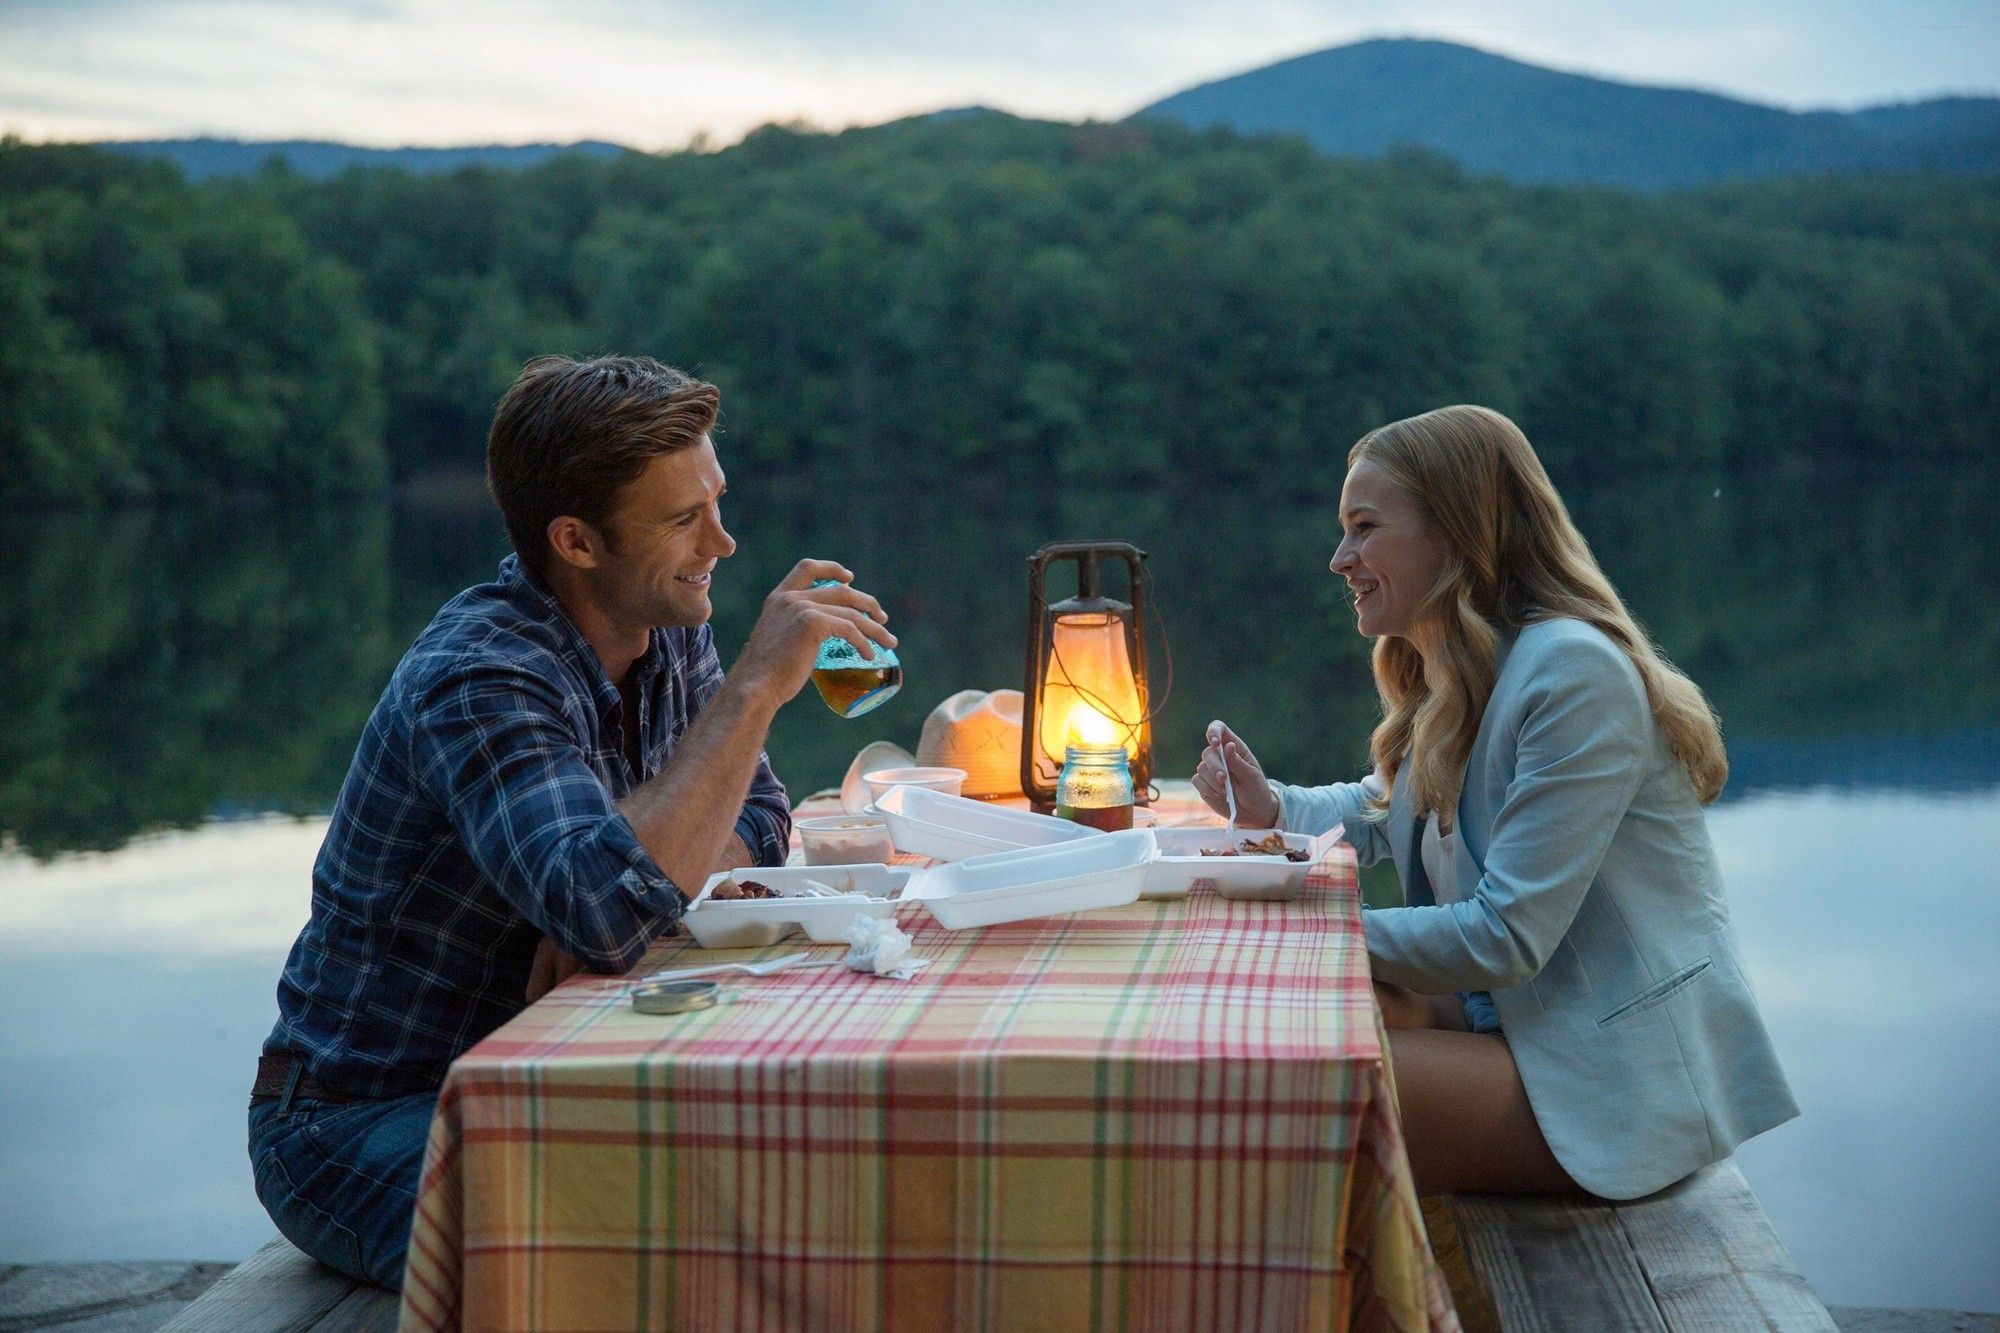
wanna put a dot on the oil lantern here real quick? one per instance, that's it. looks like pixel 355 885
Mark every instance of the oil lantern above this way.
pixel 1086 667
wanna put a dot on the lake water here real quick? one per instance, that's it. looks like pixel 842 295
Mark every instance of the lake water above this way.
pixel 184 691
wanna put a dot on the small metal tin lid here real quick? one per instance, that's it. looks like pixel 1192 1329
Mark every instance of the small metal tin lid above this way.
pixel 674 997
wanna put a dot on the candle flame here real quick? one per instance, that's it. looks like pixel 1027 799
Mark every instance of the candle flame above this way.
pixel 1089 727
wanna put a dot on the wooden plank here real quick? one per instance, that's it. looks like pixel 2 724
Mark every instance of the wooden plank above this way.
pixel 1714 1260
pixel 367 1309
pixel 276 1290
pixel 1555 1264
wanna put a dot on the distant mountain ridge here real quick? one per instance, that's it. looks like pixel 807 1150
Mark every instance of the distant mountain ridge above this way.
pixel 1489 113
pixel 200 159
pixel 1501 116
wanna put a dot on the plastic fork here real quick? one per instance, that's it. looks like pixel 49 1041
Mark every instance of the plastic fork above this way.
pixel 763 969
pixel 1228 782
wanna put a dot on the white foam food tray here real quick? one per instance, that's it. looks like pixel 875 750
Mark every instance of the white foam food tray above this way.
pixel 1266 878
pixel 741 924
pixel 947 828
pixel 1102 870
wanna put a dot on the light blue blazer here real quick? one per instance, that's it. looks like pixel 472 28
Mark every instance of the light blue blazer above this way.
pixel 1593 913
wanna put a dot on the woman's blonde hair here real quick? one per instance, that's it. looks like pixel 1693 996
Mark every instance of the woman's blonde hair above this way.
pixel 1515 558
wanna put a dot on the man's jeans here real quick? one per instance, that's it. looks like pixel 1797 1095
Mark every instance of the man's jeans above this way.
pixel 340 1178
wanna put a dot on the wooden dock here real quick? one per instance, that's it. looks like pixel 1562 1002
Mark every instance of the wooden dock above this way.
pixel 1701 1254
pixel 278 1288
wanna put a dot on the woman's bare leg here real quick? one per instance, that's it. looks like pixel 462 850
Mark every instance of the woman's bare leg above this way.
pixel 1466 1119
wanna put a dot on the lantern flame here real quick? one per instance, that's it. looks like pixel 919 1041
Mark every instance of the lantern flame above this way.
pixel 1088 727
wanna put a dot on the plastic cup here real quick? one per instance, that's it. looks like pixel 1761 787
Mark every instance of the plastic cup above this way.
pixel 947 780
pixel 845 840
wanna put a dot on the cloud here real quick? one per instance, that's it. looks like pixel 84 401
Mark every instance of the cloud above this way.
pixel 653 74
pixel 435 72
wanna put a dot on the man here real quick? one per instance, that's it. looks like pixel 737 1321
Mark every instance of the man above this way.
pixel 557 763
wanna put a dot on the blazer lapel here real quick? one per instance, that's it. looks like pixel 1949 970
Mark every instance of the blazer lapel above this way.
pixel 1472 833
pixel 1405 832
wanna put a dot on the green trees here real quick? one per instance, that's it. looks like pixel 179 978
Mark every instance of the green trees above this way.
pixel 164 341
pixel 58 404
pixel 980 296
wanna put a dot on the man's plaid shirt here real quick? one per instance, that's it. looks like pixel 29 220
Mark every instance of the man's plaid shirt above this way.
pixel 479 817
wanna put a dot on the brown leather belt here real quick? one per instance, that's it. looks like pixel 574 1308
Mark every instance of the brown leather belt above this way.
pixel 275 1071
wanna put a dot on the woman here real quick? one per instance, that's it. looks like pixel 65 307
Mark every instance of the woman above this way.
pixel 1567 1007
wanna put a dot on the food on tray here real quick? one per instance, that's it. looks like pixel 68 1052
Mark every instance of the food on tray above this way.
pixel 732 890
pixel 1271 844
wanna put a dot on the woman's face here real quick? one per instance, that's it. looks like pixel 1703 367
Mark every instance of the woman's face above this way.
pixel 1389 553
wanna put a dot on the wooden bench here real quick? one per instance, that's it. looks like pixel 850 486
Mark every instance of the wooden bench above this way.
pixel 1698 1255
pixel 279 1290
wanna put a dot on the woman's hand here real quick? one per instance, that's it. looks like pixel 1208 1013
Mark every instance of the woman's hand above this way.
pixel 1256 803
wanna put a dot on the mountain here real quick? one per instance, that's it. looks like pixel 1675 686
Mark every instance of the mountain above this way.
pixel 200 159
pixel 1491 114
pixel 1501 116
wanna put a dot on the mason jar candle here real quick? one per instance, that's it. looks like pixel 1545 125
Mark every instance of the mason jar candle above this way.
pixel 1095 787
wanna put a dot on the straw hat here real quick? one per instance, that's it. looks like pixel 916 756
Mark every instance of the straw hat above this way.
pixel 980 733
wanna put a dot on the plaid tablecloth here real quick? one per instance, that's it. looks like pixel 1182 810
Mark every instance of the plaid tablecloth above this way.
pixel 1168 1115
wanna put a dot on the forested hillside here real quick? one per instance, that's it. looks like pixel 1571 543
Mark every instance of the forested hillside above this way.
pixel 200 159
pixel 979 296
pixel 1527 123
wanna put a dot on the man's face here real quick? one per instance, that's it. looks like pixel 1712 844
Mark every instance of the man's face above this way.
pixel 665 536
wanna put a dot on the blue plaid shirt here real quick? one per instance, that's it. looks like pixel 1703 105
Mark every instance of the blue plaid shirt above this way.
pixel 478 817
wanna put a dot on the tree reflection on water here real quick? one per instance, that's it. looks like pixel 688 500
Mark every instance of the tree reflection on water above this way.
pixel 168 667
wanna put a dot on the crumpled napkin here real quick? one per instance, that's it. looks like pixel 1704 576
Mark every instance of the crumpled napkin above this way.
pixel 878 945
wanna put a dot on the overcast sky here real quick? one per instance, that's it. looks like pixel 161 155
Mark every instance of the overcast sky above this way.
pixel 655 73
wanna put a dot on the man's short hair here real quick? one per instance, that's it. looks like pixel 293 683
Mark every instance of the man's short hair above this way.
pixel 569 435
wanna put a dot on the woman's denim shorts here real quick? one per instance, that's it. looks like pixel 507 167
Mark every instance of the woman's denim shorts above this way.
pixel 1480 1015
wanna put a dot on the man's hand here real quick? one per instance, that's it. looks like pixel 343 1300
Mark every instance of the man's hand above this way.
pixel 551 968
pixel 797 618
pixel 736 854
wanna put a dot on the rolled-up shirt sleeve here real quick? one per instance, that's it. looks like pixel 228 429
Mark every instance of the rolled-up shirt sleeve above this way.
pixel 494 748
pixel 766 822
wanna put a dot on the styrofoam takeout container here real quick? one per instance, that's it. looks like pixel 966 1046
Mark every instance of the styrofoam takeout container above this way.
pixel 949 828
pixel 762 921
pixel 1102 870
pixel 1263 878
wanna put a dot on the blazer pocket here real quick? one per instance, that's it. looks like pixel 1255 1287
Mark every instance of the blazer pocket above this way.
pixel 1657 993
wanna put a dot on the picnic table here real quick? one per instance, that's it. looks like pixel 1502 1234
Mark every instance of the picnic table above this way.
pixel 1175 1114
